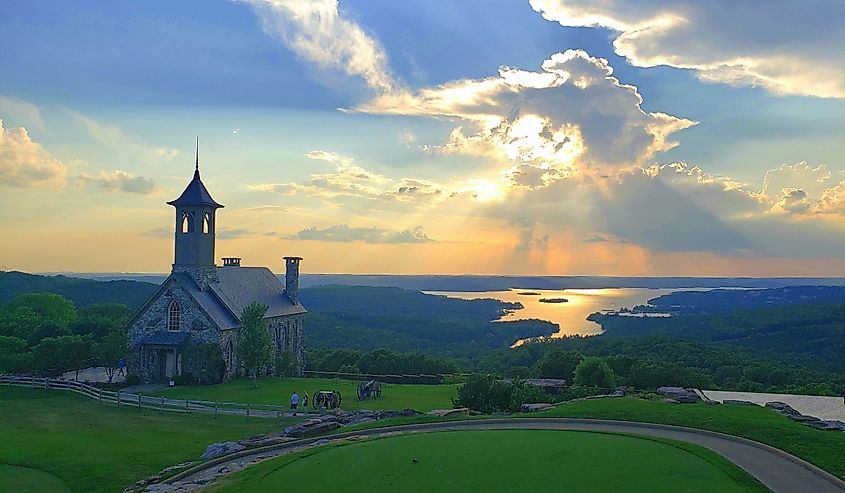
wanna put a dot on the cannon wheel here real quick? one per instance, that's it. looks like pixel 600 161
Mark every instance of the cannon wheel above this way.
pixel 377 391
pixel 361 395
pixel 315 397
pixel 337 399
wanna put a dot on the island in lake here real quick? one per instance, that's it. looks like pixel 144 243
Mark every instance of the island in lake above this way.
pixel 529 293
pixel 554 300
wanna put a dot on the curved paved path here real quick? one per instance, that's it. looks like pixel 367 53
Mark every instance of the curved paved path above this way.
pixel 779 471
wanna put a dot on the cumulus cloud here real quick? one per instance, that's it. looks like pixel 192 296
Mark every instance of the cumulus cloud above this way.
pixel 792 201
pixel 350 183
pixel 345 233
pixel 813 180
pixel 573 109
pixel 24 163
pixel 832 200
pixel 785 47
pixel 119 180
pixel 319 32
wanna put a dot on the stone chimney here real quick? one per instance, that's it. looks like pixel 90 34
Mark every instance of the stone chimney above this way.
pixel 292 278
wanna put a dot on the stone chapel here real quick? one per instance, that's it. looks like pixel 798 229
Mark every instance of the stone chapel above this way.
pixel 201 302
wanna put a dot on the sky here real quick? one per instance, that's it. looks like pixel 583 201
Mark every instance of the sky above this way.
pixel 541 137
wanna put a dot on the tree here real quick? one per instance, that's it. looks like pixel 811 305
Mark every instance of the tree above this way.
pixel 54 355
pixel 12 354
pixel 253 340
pixel 101 319
pixel 113 348
pixel 594 372
pixel 557 363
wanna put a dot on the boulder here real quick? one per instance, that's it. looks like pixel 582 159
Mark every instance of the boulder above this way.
pixel 307 429
pixel 449 412
pixel 533 408
pixel 737 402
pixel 619 392
pixel 221 448
pixel 830 425
pixel 782 407
pixel 682 395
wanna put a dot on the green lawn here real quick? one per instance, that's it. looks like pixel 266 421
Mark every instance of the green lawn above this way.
pixel 64 439
pixel 272 390
pixel 17 478
pixel 498 461
pixel 825 449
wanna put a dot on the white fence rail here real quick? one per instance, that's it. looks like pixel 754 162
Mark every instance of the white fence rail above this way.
pixel 139 401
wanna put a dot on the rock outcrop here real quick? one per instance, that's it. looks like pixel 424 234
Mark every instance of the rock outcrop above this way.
pixel 679 394
pixel 221 448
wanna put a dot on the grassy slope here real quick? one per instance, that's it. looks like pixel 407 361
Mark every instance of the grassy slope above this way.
pixel 95 448
pixel 278 391
pixel 524 460
pixel 16 478
pixel 822 448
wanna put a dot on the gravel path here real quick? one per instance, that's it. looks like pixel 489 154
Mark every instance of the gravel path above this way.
pixel 823 407
pixel 779 471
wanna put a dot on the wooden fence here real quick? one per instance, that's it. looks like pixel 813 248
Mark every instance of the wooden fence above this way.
pixel 138 401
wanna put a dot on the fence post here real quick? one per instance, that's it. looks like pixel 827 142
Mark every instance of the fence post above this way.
pixel 33 381
pixel 186 406
pixel 161 408
pixel 139 402
pixel 277 413
pixel 100 395
pixel 46 383
pixel 118 398
pixel 247 409
pixel 215 409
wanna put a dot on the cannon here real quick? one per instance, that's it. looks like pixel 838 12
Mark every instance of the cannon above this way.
pixel 371 388
pixel 329 399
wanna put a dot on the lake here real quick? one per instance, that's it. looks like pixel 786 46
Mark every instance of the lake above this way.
pixel 571 316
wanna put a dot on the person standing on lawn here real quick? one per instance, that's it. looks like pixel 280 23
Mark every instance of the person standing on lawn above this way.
pixel 294 402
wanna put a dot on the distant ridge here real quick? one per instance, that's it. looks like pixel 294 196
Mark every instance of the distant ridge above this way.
pixel 81 291
pixel 499 283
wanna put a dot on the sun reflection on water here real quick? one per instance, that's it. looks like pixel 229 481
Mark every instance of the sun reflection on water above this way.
pixel 570 316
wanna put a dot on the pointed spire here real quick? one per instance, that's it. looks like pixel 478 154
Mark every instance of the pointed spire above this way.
pixel 197 168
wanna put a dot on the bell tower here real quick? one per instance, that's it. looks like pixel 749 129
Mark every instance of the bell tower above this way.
pixel 196 223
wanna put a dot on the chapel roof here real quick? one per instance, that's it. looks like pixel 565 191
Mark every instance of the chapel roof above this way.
pixel 195 193
pixel 225 300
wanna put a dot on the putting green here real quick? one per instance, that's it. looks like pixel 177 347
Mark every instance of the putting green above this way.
pixel 498 461
pixel 17 478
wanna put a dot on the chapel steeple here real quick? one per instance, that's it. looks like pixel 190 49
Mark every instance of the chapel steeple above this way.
pixel 195 229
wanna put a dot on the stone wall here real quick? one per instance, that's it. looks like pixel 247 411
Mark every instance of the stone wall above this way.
pixel 155 318
pixel 286 333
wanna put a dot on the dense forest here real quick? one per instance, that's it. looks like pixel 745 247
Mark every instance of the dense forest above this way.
pixel 809 334
pixel 82 292
pixel 366 317
pixel 796 347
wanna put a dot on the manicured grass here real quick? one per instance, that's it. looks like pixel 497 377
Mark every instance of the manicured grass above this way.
pixel 272 390
pixel 16 478
pixel 822 448
pixel 92 447
pixel 498 461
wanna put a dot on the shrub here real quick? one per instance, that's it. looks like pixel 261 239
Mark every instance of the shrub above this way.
pixel 203 363
pixel 133 379
pixel 558 363
pixel 285 364
pixel 594 372
pixel 487 394
pixel 353 369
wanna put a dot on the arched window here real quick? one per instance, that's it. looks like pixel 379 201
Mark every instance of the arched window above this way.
pixel 207 226
pixel 230 355
pixel 187 222
pixel 173 316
